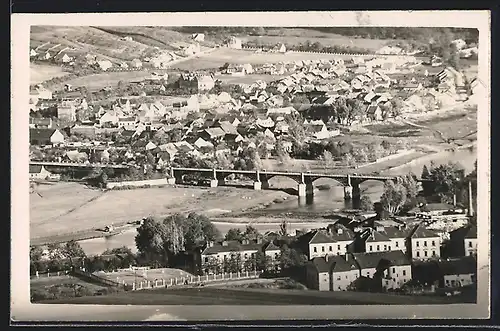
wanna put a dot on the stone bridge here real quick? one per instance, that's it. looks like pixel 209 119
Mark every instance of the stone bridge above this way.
pixel 260 178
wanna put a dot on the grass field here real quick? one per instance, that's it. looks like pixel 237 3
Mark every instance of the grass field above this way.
pixel 70 207
pixel 40 73
pixel 46 282
pixel 245 296
pixel 130 276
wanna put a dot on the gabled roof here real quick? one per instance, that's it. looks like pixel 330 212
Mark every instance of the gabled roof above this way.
pixel 419 231
pixel 232 246
pixel 461 266
pixel 321 238
pixel 270 246
pixel 333 264
pixel 215 132
pixel 35 169
pixel 466 232
pixel 372 260
pixel 376 236
pixel 41 134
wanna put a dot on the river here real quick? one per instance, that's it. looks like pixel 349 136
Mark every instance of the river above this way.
pixel 324 200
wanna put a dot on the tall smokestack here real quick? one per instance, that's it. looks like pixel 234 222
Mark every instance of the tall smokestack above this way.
pixel 454 200
pixel 470 211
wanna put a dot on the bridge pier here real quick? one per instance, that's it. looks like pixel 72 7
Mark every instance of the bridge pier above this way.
pixel 347 192
pixel 305 189
pixel 257 186
pixel 171 181
pixel 214 182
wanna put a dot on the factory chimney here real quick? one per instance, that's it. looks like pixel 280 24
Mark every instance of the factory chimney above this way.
pixel 470 212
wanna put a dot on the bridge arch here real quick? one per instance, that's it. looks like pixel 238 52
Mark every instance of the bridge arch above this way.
pixel 280 179
pixel 325 180
pixel 372 188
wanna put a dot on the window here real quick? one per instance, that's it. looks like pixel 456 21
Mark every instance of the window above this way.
pixel 252 255
pixel 470 243
pixel 338 247
pixel 404 272
pixel 378 247
pixel 433 243
pixel 315 250
pixel 206 259
pixel 393 270
pixel 397 243
pixel 418 254
pixel 447 282
pixel 276 255
pixel 338 277
pixel 425 243
pixel 418 243
pixel 330 248
pixel 425 253
pixel 433 253
pixel 246 255
pixel 370 248
pixel 322 248
pixel 385 247
pixel 367 274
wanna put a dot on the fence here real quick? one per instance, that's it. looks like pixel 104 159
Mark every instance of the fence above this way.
pixel 38 275
pixel 93 278
pixel 179 281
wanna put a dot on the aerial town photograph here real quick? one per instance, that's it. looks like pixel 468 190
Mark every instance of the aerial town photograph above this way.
pixel 212 165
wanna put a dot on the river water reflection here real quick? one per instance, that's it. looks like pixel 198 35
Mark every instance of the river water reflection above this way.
pixel 324 200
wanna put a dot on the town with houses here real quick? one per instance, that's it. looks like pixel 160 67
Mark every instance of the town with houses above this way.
pixel 256 117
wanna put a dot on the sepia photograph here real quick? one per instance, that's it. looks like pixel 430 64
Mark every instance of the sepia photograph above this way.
pixel 221 164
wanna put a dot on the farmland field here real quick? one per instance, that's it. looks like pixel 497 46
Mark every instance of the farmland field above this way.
pixel 325 39
pixel 40 73
pixel 221 56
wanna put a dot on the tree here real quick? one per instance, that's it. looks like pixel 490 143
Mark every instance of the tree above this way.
pixel 355 109
pixel 394 197
pixel 366 203
pixel 150 240
pixel 283 231
pixel 234 234
pixel 291 259
pixel 251 233
pixel 447 180
pixel 349 159
pixel 262 261
pixel 296 129
pixel 72 249
pixel 361 155
pixel 341 109
pixel 36 253
pixel 197 229
pixel 281 153
pixel 328 159
pixel 411 185
pixel 397 106
pixel 375 151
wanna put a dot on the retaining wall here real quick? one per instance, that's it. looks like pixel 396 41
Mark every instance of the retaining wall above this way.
pixel 138 183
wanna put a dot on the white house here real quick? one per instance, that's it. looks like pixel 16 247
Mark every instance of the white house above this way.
pixel 104 65
pixel 458 272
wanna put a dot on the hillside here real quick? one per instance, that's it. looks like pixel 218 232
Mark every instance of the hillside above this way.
pixel 108 42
